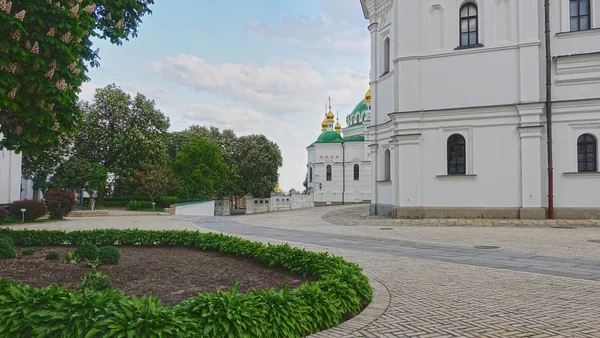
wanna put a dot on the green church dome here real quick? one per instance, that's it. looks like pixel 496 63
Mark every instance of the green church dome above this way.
pixel 357 116
pixel 330 137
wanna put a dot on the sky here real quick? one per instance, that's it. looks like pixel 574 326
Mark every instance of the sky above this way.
pixel 256 67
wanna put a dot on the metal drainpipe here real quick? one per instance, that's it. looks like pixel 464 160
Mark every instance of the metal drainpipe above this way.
pixel 343 172
pixel 549 110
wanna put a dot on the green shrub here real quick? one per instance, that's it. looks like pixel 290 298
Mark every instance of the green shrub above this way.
pixel 139 205
pixel 86 251
pixel 7 248
pixel 60 202
pixel 29 251
pixel 52 256
pixel 3 214
pixel 71 258
pixel 339 290
pixel 109 255
pixel 96 281
pixel 34 209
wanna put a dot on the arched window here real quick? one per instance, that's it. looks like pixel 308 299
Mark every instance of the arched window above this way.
pixel 457 158
pixel 587 151
pixel 468 25
pixel 328 173
pixel 580 15
pixel 356 172
pixel 310 174
pixel 387 165
pixel 386 56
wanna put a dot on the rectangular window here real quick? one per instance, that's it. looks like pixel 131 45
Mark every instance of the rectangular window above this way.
pixel 580 15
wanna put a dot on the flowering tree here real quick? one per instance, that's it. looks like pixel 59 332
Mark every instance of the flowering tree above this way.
pixel 45 49
pixel 154 180
pixel 256 161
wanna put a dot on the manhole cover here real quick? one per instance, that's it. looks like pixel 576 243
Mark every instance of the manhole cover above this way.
pixel 487 247
pixel 594 240
pixel 563 227
pixel 386 228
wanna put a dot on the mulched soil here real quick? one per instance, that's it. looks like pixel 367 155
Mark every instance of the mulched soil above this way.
pixel 172 274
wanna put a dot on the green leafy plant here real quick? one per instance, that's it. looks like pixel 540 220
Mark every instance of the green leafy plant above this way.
pixel 339 291
pixel 109 255
pixel 7 248
pixel 52 256
pixel 86 251
pixel 29 251
pixel 71 258
pixel 97 281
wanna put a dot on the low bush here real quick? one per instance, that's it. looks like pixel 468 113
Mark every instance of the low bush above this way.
pixel 109 255
pixel 29 251
pixel 139 205
pixel 52 256
pixel 86 251
pixel 161 201
pixel 34 209
pixel 60 202
pixel 339 291
pixel 7 248
pixel 96 281
pixel 3 214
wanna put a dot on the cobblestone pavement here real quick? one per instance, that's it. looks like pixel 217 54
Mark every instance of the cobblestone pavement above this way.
pixel 430 281
pixel 359 215
pixel 431 297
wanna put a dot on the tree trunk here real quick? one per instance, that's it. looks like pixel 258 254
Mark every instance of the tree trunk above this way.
pixel 100 199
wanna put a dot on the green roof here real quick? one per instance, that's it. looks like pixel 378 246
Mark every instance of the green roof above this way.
pixel 335 137
pixel 330 137
pixel 357 113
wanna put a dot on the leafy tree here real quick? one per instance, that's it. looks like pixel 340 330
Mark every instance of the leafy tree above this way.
pixel 122 133
pixel 256 161
pixel 45 48
pixel 39 167
pixel 305 183
pixel 155 180
pixel 77 172
pixel 201 169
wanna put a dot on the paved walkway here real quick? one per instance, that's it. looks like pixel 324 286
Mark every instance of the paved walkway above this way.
pixel 432 281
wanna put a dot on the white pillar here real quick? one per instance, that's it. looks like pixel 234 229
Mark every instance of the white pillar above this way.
pixel 374 175
pixel 531 133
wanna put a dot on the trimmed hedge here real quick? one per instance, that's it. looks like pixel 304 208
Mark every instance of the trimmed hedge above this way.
pixel 340 290
pixel 140 205
pixel 122 202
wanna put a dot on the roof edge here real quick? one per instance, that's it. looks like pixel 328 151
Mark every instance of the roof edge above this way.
pixel 364 9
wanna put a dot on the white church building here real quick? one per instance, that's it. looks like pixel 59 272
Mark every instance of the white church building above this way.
pixel 339 166
pixel 10 176
pixel 458 119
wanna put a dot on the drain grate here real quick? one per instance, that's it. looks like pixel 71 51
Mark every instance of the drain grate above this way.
pixel 594 240
pixel 487 247
pixel 386 228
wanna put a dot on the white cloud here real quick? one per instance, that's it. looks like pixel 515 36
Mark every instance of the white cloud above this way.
pixel 279 87
pixel 323 35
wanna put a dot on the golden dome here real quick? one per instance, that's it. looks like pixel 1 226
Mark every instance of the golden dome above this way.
pixel 368 96
pixel 277 188
pixel 330 116
pixel 338 126
pixel 324 124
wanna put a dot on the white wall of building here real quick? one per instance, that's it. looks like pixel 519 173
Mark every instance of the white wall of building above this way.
pixel 491 94
pixel 10 176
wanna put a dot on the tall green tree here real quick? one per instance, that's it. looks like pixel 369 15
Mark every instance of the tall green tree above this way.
pixel 45 51
pixel 77 172
pixel 122 134
pixel 201 169
pixel 39 167
pixel 256 161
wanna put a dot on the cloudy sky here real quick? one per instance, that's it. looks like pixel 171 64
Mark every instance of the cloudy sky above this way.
pixel 261 66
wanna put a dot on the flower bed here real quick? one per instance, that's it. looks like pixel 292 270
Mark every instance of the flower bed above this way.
pixel 341 290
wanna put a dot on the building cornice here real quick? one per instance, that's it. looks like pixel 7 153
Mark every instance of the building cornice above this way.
pixel 467 51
